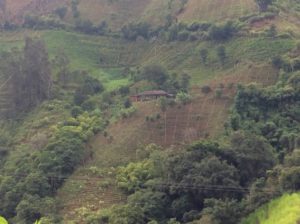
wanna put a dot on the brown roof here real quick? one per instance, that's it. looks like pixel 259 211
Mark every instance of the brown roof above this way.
pixel 153 93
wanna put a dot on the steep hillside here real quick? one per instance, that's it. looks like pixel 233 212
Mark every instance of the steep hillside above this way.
pixel 203 118
pixel 94 75
pixel 203 10
pixel 15 11
pixel 120 13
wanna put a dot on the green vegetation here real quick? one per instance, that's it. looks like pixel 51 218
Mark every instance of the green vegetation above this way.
pixel 283 210
pixel 2 220
pixel 66 110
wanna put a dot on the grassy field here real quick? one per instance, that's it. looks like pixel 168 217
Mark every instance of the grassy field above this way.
pixel 284 210
pixel 106 58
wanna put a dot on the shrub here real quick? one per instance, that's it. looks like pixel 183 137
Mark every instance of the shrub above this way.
pixel 183 98
pixel 133 30
pixel 183 36
pixel 163 104
pixel 222 32
pixel 277 61
pixel 89 105
pixel 76 111
pixel 85 26
pixel 131 177
pixel 127 103
pixel 126 113
pixel 124 90
pixel 38 22
pixel 155 73
pixel 206 89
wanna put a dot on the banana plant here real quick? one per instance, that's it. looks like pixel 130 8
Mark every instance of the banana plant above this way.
pixel 3 220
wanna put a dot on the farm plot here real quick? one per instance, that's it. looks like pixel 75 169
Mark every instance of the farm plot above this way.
pixel 216 10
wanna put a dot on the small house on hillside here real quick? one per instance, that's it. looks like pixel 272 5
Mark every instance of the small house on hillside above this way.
pixel 150 95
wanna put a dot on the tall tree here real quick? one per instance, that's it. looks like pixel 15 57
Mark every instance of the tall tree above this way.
pixel 29 76
pixel 37 73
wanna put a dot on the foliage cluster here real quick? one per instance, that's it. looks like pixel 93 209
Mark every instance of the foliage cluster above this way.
pixel 134 30
pixel 26 192
pixel 41 22
pixel 27 85
pixel 160 78
pixel 204 179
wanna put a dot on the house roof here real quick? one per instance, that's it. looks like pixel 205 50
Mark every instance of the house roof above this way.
pixel 153 93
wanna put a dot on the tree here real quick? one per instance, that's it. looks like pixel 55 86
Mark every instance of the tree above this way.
pixel 206 89
pixel 222 32
pixel 124 90
pixel 163 103
pixel 127 103
pixel 185 82
pixel 290 174
pixel 183 98
pixel 203 55
pixel 154 204
pixel 253 155
pixel 134 30
pixel 263 4
pixel 28 210
pixel 85 26
pixel 221 52
pixel 31 76
pixel 156 74
pixel 223 211
pixel 127 214
pixel 197 168
pixel 37 70
pixel 134 175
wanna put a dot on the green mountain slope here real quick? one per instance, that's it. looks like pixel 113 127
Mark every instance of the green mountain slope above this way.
pixel 90 105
